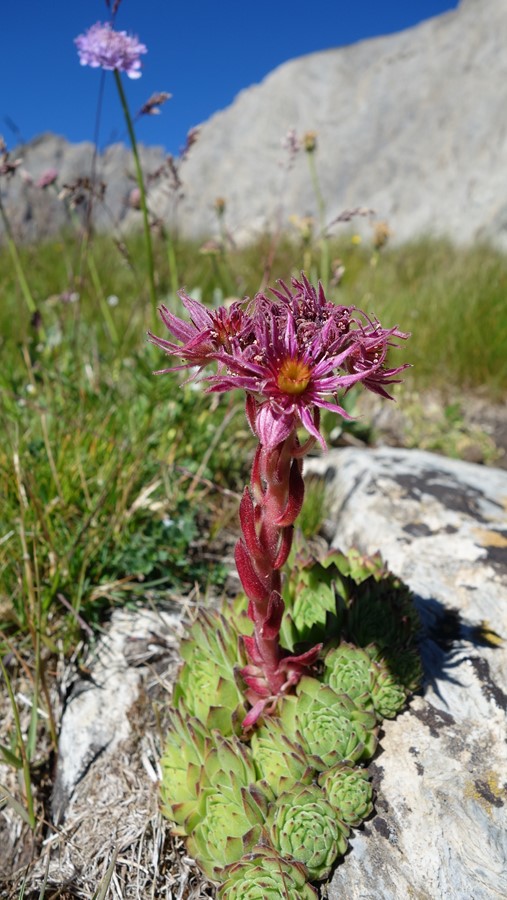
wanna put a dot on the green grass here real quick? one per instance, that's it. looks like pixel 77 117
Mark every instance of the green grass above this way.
pixel 453 301
pixel 95 466
pixel 98 453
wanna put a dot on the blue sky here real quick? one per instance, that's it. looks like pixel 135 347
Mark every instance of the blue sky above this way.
pixel 203 53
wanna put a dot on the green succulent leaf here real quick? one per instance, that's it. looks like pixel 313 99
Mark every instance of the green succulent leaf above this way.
pixel 280 762
pixel 264 875
pixel 231 824
pixel 228 765
pixel 303 826
pixel 208 685
pixel 329 726
pixel 182 761
pixel 215 632
pixel 358 566
pixel 349 792
pixel 310 602
pixel 382 613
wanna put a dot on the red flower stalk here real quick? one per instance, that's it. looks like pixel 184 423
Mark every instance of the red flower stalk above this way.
pixel 291 354
pixel 267 513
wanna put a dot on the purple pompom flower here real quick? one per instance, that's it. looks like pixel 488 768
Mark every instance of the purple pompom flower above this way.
pixel 101 47
pixel 292 354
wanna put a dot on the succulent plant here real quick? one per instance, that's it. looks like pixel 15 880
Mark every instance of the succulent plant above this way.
pixel 329 726
pixel 365 680
pixel 228 764
pixel 310 600
pixel 303 826
pixel 195 764
pixel 349 670
pixel 231 823
pixel 349 791
pixel 318 591
pixel 208 685
pixel 181 764
pixel 382 612
pixel 280 762
pixel 264 875
pixel 388 695
pixel 406 667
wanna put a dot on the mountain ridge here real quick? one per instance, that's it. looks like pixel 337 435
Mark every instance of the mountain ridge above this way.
pixel 412 125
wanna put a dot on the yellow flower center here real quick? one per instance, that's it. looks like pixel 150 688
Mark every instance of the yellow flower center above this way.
pixel 294 376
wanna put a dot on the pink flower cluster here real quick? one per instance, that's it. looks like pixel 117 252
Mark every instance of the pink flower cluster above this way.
pixel 292 352
pixel 103 47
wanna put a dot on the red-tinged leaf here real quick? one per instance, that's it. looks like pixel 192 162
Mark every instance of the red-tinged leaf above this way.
pixel 256 711
pixel 252 651
pixel 247 518
pixel 302 661
pixel 296 496
pixel 256 681
pixel 284 549
pixel 270 628
pixel 252 585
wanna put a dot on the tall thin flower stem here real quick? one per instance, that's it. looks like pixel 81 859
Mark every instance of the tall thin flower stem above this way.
pixel 113 334
pixel 18 266
pixel 140 181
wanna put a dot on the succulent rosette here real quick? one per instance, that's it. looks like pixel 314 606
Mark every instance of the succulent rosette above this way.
pixel 181 764
pixel 228 765
pixel 264 875
pixel 208 685
pixel 407 667
pixel 231 824
pixel 349 790
pixel 329 726
pixel 280 762
pixel 388 694
pixel 310 601
pixel 195 763
pixel 318 590
pixel 349 670
pixel 255 816
pixel 303 825
pixel 382 612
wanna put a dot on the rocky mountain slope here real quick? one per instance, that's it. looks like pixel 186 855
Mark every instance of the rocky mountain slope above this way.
pixel 413 125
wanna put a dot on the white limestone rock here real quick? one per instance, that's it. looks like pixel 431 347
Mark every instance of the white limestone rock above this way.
pixel 96 716
pixel 412 125
pixel 440 829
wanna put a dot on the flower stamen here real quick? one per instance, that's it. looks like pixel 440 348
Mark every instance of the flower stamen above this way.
pixel 294 376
